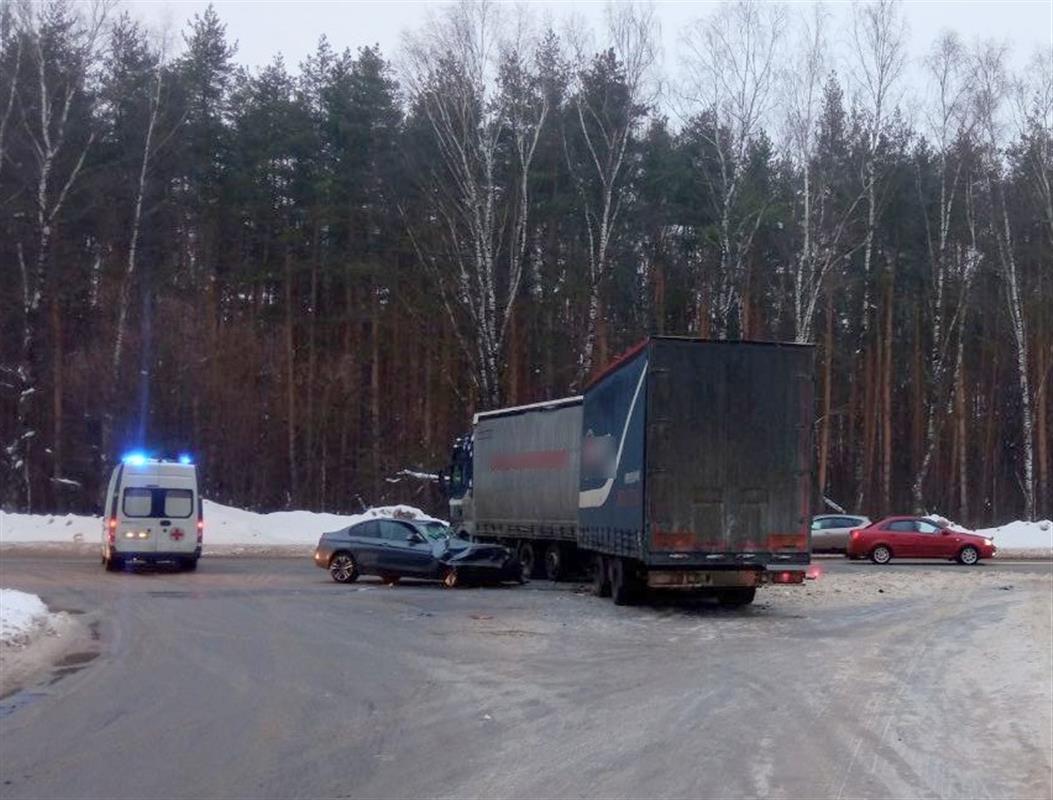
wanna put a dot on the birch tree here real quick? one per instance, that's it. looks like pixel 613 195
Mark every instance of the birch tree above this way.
pixel 879 42
pixel 61 43
pixel 1033 97
pixel 993 87
pixel 130 90
pixel 952 266
pixel 879 57
pixel 610 98
pixel 8 39
pixel 731 70
pixel 826 217
pixel 471 76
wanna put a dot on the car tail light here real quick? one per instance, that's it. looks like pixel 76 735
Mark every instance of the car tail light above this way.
pixel 855 534
pixel 200 530
pixel 111 530
pixel 794 576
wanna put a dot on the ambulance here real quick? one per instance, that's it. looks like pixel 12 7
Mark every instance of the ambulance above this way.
pixel 152 513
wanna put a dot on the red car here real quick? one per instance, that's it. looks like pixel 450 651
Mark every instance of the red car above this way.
pixel 917 537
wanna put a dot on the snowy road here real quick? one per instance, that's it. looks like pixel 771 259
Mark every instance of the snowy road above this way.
pixel 262 678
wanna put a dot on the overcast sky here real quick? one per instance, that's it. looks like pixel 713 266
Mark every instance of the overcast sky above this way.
pixel 264 28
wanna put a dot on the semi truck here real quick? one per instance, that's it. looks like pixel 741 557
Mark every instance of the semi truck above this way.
pixel 686 464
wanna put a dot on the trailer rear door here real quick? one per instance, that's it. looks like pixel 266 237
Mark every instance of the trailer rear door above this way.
pixel 728 447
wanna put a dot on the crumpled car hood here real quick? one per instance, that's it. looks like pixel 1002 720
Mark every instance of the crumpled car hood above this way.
pixel 472 553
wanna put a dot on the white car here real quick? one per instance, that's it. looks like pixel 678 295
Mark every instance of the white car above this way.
pixel 152 513
pixel 830 531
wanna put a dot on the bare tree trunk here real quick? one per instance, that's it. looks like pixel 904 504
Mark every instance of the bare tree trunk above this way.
pixel 374 390
pixel 290 381
pixel 963 463
pixel 828 359
pixel 56 390
pixel 131 265
pixel 869 411
pixel 1043 369
pixel 917 417
pixel 312 362
pixel 1016 315
pixel 886 400
pixel 10 104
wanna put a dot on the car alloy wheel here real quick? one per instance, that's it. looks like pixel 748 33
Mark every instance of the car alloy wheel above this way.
pixel 968 555
pixel 881 554
pixel 342 568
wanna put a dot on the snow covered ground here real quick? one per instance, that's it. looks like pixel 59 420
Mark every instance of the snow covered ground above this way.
pixel 33 638
pixel 21 615
pixel 227 526
pixel 224 525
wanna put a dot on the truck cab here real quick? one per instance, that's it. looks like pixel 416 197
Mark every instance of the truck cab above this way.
pixel 459 488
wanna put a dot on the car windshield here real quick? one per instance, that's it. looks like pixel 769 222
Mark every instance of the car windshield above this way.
pixel 434 530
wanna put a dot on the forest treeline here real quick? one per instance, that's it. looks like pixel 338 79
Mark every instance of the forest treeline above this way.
pixel 310 277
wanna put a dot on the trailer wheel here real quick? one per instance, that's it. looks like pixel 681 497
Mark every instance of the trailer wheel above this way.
pixel 624 586
pixel 554 570
pixel 528 558
pixel 601 579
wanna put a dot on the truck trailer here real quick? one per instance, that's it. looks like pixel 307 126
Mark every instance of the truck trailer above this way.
pixel 686 464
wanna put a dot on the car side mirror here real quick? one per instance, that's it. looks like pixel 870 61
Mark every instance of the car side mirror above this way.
pixel 414 538
pixel 945 531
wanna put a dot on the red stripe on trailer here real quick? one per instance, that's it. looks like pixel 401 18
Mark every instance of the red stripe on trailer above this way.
pixel 535 459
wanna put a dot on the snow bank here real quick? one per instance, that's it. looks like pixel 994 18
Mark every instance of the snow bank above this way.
pixel 1019 536
pixel 234 526
pixel 1022 535
pixel 21 615
pixel 224 525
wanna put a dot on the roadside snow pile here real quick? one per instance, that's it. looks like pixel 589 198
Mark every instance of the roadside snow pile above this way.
pixel 1014 538
pixel 21 615
pixel 234 526
pixel 224 525
pixel 1022 535
pixel 49 528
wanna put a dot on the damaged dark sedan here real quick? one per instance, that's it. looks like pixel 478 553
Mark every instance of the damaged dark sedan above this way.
pixel 394 549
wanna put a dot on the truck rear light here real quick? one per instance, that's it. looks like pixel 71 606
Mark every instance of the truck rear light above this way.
pixel 200 530
pixel 788 576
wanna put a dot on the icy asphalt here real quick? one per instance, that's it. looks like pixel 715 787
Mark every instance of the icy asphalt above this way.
pixel 262 678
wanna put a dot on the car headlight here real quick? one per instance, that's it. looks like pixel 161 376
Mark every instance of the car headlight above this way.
pixel 988 542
